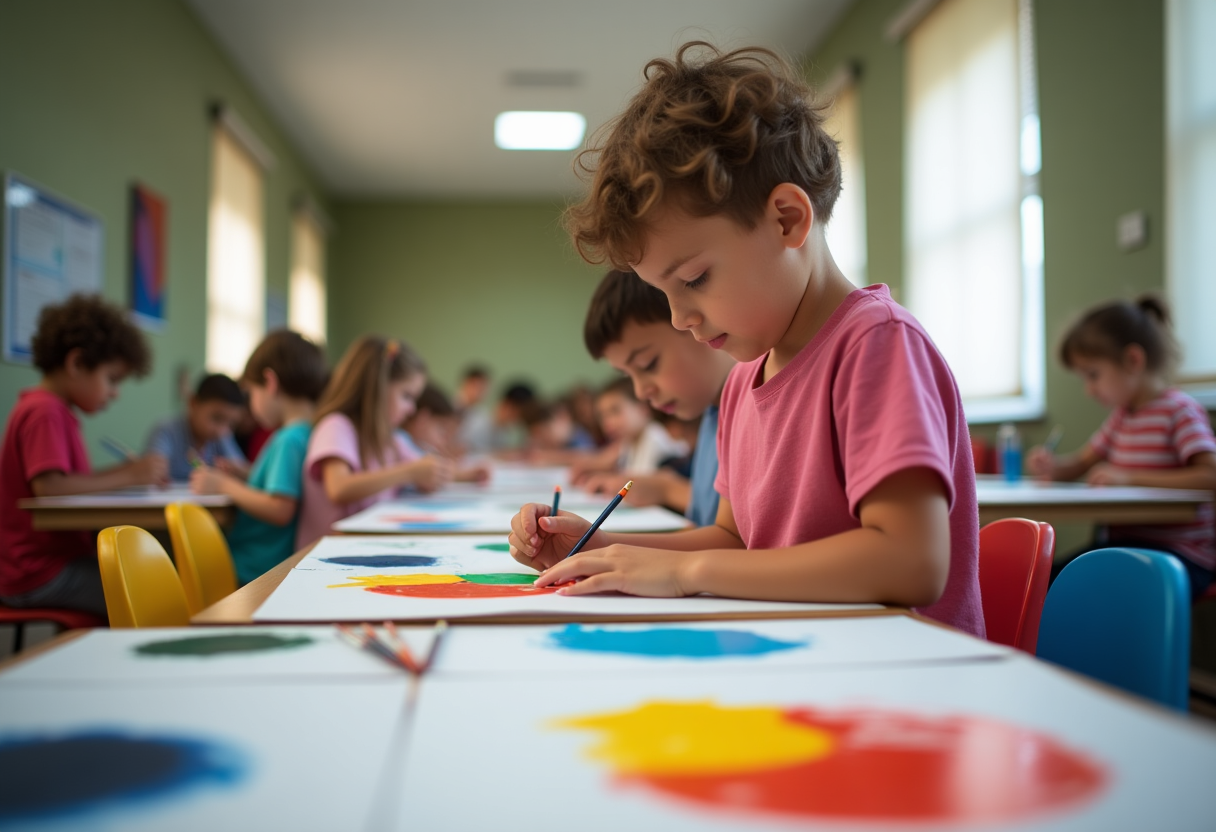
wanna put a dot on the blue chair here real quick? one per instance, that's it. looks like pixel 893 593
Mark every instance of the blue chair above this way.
pixel 1123 616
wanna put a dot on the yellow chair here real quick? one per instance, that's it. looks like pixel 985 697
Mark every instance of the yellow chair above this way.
pixel 204 563
pixel 139 581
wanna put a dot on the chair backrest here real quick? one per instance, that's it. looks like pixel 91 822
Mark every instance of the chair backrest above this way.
pixel 1123 616
pixel 1015 569
pixel 139 581
pixel 204 563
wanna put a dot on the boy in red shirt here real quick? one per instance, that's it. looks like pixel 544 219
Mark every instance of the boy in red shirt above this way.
pixel 84 347
pixel 845 470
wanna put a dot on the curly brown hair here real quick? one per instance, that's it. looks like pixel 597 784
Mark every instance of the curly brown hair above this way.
pixel 717 131
pixel 99 329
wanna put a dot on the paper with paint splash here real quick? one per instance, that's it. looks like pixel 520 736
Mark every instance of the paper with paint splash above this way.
pixel 222 755
pixel 446 514
pixel 956 745
pixel 190 654
pixel 602 648
pixel 374 578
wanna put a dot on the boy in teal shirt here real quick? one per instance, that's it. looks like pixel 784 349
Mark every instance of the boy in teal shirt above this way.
pixel 285 377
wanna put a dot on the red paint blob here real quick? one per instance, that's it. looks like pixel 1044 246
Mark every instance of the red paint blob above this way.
pixel 899 767
pixel 464 589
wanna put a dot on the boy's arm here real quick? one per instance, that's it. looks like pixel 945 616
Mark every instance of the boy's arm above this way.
pixel 662 488
pixel 144 470
pixel 1199 473
pixel 900 555
pixel 275 509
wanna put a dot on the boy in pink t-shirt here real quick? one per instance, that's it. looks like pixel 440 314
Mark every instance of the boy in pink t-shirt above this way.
pixel 85 348
pixel 845 463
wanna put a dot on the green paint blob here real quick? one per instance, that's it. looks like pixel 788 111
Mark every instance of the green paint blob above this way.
pixel 203 646
pixel 495 547
pixel 499 578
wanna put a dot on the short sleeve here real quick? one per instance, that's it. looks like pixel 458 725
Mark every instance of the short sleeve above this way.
pixel 895 406
pixel 284 464
pixel 160 440
pixel 1100 442
pixel 334 437
pixel 45 443
pixel 1192 433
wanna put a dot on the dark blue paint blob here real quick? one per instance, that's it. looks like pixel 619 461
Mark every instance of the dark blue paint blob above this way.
pixel 56 777
pixel 670 642
pixel 383 561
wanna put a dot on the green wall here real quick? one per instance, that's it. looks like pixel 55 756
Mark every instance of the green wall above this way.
pixel 95 96
pixel 492 282
pixel 1101 70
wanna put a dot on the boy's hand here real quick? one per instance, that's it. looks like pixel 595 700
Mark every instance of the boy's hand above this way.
pixel 232 467
pixel 432 473
pixel 655 573
pixel 479 473
pixel 539 541
pixel 152 469
pixel 1041 462
pixel 1106 474
pixel 206 480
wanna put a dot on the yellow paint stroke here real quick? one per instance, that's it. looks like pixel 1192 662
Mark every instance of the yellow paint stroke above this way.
pixel 658 738
pixel 415 579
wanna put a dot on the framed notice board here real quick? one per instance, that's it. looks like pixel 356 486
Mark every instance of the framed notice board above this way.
pixel 52 248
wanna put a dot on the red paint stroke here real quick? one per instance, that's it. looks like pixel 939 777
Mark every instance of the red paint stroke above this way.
pixel 464 589
pixel 898 767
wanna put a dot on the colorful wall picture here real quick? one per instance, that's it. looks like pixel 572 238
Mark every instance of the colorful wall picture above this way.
pixel 377 578
pixel 190 756
pixel 149 257
pixel 919 746
pixel 604 647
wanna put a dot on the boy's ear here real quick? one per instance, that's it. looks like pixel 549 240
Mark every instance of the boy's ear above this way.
pixel 73 362
pixel 791 208
pixel 270 380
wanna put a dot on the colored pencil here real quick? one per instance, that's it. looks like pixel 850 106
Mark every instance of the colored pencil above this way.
pixel 616 501
pixel 557 498
pixel 373 645
pixel 118 448
pixel 401 648
pixel 1053 439
pixel 193 458
pixel 441 628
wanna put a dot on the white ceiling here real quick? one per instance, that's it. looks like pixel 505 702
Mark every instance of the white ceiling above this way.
pixel 397 98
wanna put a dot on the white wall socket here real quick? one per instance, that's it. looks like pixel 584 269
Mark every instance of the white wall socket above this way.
pixel 1131 231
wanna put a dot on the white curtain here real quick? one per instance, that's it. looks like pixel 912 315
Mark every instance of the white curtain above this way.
pixel 306 301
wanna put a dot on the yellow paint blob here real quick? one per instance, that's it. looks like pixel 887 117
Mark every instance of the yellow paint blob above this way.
pixel 415 579
pixel 660 738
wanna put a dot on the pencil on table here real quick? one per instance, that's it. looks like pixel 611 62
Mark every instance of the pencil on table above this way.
pixel 616 501
pixel 401 648
pixel 441 627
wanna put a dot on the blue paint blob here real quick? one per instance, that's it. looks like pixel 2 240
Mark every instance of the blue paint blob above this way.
pixel 71 776
pixel 669 642
pixel 383 561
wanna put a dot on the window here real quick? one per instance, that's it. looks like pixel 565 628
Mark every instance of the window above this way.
pixel 846 233
pixel 306 294
pixel 973 217
pixel 236 278
pixel 1191 182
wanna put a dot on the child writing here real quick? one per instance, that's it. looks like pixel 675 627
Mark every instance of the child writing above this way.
pixel 845 464
pixel 203 434
pixel 355 457
pixel 1156 435
pixel 629 325
pixel 285 377
pixel 432 429
pixel 85 348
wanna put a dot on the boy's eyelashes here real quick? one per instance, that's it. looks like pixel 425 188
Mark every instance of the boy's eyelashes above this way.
pixel 697 281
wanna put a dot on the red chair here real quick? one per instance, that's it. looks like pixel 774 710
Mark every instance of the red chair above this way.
pixel 65 619
pixel 1015 569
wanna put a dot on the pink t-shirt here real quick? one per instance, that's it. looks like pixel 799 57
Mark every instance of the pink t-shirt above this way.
pixel 42 436
pixel 335 437
pixel 869 396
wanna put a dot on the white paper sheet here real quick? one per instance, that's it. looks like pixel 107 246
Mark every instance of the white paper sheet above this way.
pixel 193 654
pixel 529 773
pixel 486 514
pixel 264 756
pixel 704 645
pixel 320 588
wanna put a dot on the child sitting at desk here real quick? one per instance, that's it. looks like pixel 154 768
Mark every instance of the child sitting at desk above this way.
pixel 629 325
pixel 637 442
pixel 356 457
pixel 203 434
pixel 285 377
pixel 1156 435
pixel 85 348
pixel 432 429
pixel 845 470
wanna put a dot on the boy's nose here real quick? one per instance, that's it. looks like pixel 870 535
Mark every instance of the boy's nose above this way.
pixel 683 319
